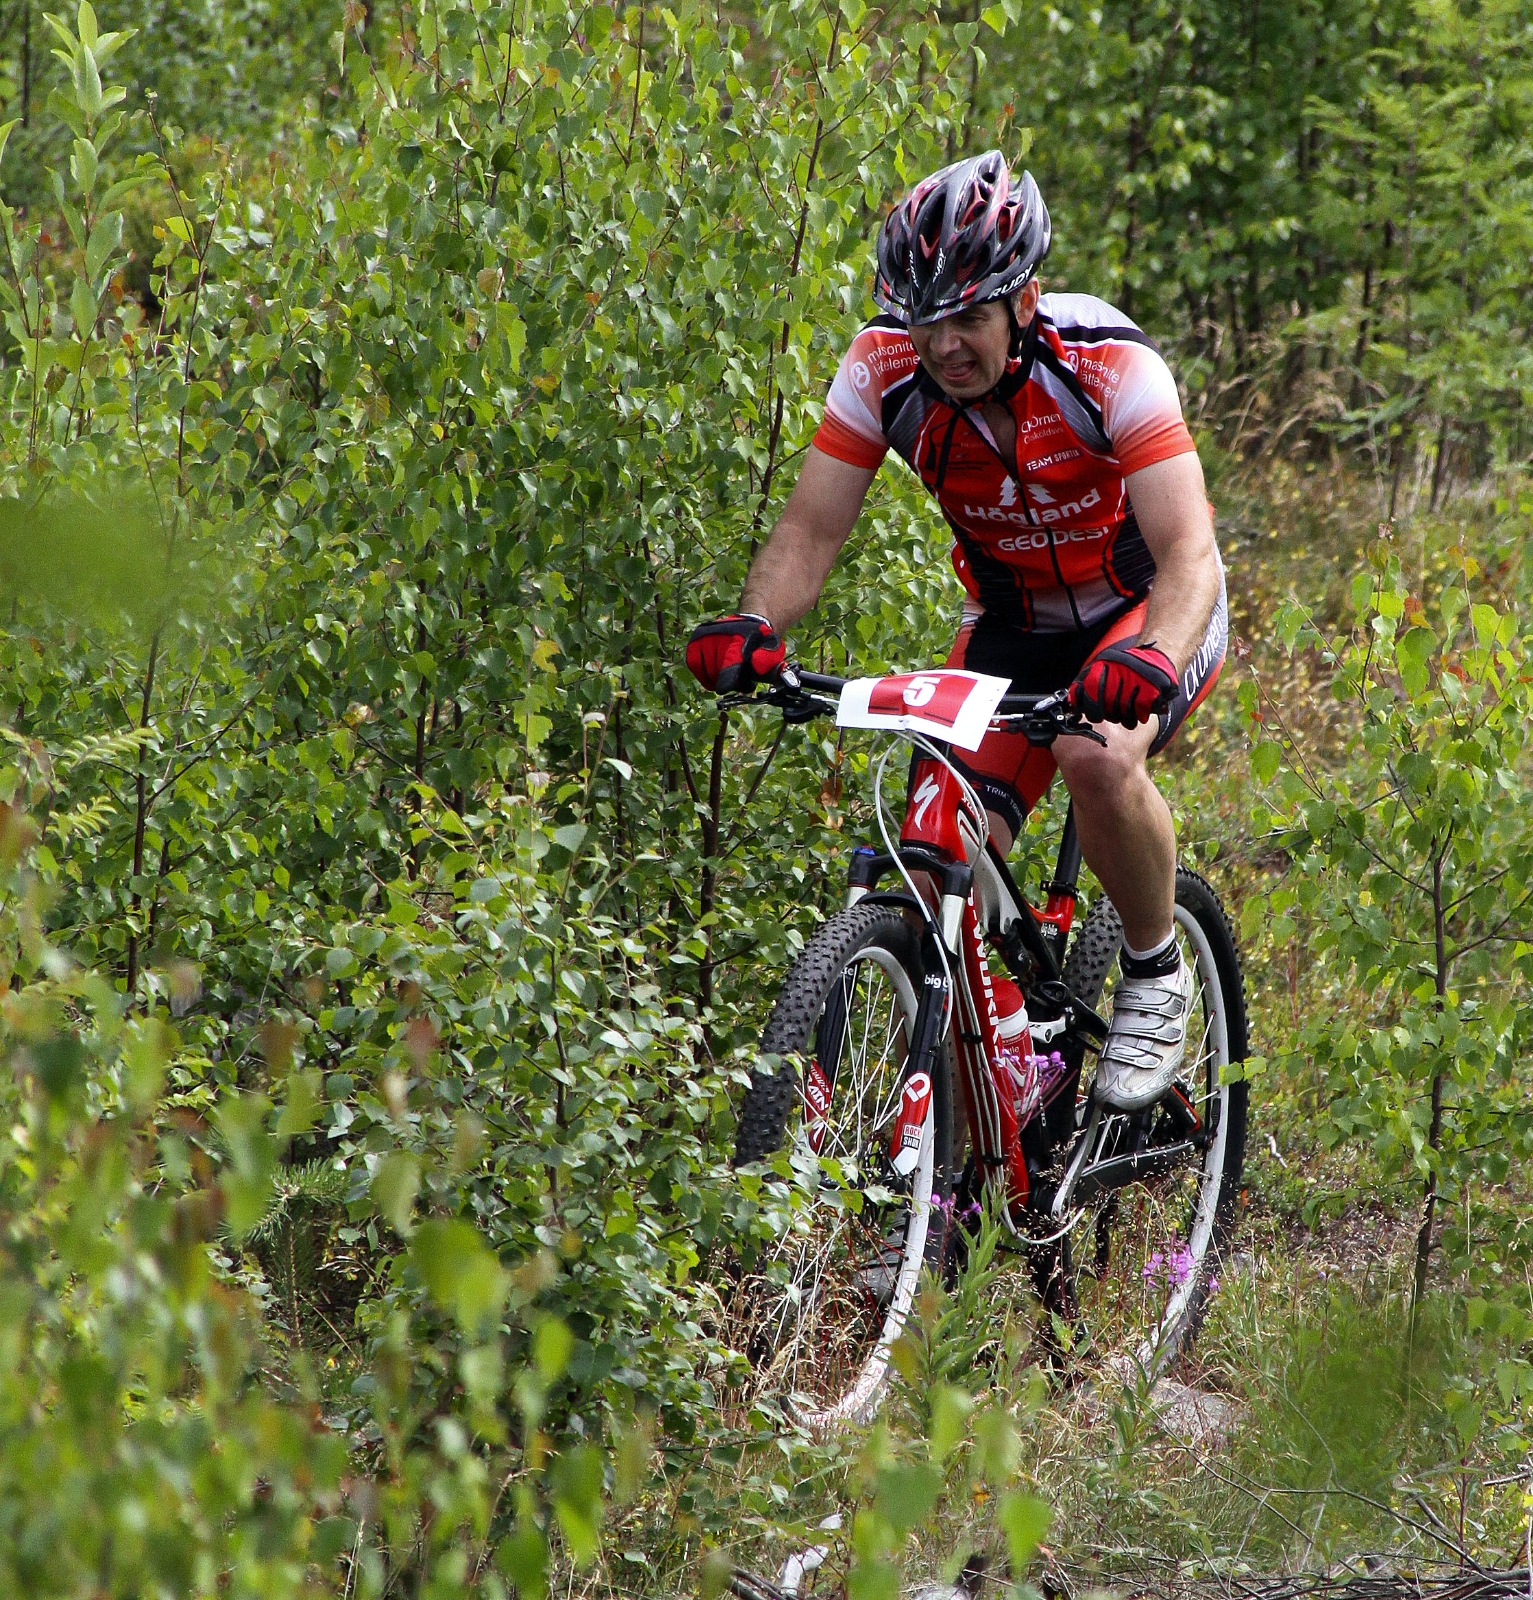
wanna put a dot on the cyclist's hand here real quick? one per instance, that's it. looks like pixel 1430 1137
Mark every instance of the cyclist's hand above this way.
pixel 1125 683
pixel 732 654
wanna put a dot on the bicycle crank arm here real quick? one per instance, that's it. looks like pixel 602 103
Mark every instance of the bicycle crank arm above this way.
pixel 1117 1172
pixel 1078 1157
pixel 1053 995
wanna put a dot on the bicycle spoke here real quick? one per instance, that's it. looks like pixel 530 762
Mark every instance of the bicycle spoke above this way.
pixel 1148 1240
pixel 826 1300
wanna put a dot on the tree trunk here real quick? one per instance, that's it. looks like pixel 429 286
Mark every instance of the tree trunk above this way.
pixel 26 62
pixel 1435 1128
pixel 141 803
pixel 708 887
pixel 1437 465
pixel 1428 1202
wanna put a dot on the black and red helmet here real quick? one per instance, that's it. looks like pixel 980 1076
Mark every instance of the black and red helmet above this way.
pixel 967 234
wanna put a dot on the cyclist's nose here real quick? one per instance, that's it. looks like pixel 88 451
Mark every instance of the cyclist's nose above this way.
pixel 944 340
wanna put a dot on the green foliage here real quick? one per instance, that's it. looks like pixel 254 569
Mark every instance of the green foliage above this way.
pixel 1367 1417
pixel 410 833
pixel 1410 867
pixel 963 1452
pixel 1325 206
pixel 388 920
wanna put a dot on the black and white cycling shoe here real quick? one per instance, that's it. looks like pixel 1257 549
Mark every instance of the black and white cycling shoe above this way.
pixel 1146 1040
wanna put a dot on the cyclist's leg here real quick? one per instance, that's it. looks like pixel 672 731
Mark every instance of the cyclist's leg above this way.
pixel 1128 838
pixel 1126 832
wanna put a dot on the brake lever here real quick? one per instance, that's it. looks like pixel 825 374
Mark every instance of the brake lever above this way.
pixel 1083 730
pixel 1043 730
pixel 796 704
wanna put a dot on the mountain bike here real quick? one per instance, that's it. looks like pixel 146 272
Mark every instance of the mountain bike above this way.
pixel 884 1054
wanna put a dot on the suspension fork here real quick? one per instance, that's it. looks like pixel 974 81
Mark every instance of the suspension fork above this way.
pixel 931 1009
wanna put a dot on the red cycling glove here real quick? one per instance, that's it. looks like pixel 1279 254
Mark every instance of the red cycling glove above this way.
pixel 1126 683
pixel 733 653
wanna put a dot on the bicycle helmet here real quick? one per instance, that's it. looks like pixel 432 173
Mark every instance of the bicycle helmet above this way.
pixel 965 235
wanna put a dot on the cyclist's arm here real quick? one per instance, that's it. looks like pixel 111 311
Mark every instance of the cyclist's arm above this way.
pixel 1171 506
pixel 790 570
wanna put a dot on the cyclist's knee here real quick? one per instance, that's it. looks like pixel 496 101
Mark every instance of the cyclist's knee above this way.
pixel 1091 770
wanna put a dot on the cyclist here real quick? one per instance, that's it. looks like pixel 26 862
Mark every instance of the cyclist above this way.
pixel 1050 432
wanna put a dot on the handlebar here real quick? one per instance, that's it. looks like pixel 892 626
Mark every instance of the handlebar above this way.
pixel 801 696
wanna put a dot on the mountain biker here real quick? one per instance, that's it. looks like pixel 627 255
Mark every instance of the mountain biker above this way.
pixel 1050 432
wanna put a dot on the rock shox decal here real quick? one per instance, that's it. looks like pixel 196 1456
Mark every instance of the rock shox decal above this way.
pixel 910 1123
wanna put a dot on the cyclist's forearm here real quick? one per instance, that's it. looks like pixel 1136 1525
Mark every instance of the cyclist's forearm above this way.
pixel 789 573
pixel 1171 505
pixel 1187 581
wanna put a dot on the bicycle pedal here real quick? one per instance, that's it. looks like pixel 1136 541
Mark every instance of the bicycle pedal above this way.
pixel 1180 1111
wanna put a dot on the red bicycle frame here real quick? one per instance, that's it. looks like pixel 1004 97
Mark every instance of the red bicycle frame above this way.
pixel 945 835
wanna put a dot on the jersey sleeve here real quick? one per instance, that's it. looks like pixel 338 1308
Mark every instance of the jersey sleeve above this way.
pixel 1123 373
pixel 852 427
pixel 1142 412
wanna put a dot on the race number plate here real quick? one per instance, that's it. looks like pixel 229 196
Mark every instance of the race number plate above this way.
pixel 946 703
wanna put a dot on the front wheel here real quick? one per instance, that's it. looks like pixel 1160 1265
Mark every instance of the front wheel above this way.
pixel 818 1312
pixel 1141 1258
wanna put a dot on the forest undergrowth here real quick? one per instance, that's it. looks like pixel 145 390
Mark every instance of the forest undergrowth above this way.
pixel 387 924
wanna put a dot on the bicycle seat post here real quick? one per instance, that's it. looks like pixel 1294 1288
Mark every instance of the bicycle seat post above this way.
pixel 1067 865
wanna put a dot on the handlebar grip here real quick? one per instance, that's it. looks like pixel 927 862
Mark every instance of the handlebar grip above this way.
pixel 825 682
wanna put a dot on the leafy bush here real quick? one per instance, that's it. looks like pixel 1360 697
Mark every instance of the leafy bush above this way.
pixel 1411 864
pixel 402 849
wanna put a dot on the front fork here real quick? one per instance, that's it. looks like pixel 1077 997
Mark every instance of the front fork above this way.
pixel 931 1012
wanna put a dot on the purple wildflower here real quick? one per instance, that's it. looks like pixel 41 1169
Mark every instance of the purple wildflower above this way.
pixel 1174 1265
pixel 1181 1264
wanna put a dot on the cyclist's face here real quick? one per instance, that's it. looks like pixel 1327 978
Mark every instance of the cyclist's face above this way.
pixel 966 353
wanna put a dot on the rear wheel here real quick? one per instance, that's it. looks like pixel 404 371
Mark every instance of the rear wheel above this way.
pixel 1138 1260
pixel 820 1309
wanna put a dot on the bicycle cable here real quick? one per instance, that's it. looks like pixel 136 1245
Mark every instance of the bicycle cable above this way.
pixel 971 795
pixel 1027 1242
pixel 910 883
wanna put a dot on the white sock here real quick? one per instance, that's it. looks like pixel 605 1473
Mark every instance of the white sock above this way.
pixel 1159 962
pixel 1152 954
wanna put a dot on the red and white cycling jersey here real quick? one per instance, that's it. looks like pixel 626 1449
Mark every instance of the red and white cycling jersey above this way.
pixel 1048 542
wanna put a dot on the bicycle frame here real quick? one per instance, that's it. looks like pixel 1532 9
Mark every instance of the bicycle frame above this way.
pixel 945 835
